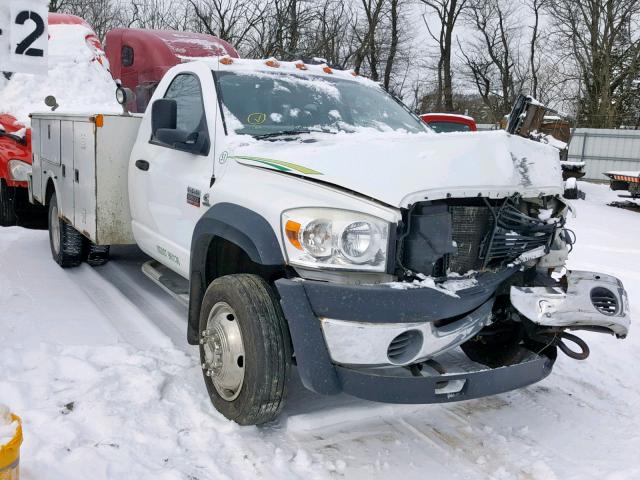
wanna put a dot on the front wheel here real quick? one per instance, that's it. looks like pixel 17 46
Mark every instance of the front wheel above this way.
pixel 245 349
pixel 65 241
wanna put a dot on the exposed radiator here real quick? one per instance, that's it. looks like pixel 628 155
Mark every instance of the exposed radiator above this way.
pixel 470 227
pixel 452 236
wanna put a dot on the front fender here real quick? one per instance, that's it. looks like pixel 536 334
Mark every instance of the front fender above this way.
pixel 246 229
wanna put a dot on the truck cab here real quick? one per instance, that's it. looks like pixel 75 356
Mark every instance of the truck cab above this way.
pixel 306 217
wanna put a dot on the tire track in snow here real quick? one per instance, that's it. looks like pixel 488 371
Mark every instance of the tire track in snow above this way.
pixel 164 313
pixel 127 319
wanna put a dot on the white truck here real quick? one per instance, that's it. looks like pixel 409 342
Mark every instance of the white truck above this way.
pixel 308 218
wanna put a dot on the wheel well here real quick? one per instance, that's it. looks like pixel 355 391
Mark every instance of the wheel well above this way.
pixel 226 258
pixel 49 192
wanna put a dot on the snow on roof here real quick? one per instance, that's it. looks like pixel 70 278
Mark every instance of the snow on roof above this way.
pixel 75 77
pixel 261 65
pixel 193 45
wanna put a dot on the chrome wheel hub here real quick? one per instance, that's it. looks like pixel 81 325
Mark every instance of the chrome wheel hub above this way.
pixel 54 223
pixel 224 354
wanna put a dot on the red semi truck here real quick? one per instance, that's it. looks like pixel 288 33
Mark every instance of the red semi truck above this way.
pixel 136 58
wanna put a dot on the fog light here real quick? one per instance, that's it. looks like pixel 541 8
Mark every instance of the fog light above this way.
pixel 404 347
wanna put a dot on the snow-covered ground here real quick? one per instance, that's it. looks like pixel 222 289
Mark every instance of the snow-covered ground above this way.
pixel 96 363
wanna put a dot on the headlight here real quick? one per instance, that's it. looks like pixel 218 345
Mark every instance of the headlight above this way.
pixel 18 170
pixel 335 239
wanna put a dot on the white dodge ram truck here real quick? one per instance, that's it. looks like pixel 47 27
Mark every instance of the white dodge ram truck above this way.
pixel 308 218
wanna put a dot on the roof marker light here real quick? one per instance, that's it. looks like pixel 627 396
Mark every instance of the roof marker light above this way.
pixel 226 60
pixel 301 66
pixel 272 62
pixel 327 69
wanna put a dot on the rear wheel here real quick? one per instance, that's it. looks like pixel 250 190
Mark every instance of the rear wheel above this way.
pixel 65 241
pixel 245 349
pixel 97 255
pixel 7 205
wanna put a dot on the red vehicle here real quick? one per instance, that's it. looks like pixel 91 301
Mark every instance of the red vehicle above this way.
pixel 449 122
pixel 140 58
pixel 15 161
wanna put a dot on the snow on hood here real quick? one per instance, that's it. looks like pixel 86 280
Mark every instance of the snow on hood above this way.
pixel 401 169
pixel 75 77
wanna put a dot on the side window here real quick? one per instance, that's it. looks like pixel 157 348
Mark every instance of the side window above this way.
pixel 185 90
pixel 126 56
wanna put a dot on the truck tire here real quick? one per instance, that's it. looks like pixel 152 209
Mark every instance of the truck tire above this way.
pixel 571 193
pixel 97 255
pixel 245 349
pixel 7 205
pixel 65 241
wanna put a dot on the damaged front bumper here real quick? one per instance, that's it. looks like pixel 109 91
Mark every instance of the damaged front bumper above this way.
pixel 343 338
pixel 591 301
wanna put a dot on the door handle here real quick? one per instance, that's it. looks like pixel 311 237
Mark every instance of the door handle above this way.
pixel 142 165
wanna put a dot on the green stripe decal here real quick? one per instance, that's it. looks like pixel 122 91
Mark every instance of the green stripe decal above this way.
pixel 278 164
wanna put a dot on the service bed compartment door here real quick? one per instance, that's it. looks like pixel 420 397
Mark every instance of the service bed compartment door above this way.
pixel 36 177
pixel 50 142
pixel 65 179
pixel 84 178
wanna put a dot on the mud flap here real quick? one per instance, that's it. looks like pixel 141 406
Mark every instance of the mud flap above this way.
pixel 592 301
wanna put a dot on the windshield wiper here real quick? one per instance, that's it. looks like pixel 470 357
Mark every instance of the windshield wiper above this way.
pixel 285 133
pixel 281 133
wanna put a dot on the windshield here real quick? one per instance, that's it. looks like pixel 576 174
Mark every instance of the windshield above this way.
pixel 265 103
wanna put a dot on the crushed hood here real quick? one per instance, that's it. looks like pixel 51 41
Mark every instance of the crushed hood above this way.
pixel 401 169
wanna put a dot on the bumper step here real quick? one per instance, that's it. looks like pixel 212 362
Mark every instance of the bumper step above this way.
pixel 464 380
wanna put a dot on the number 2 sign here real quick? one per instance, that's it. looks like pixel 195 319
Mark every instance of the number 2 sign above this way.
pixel 23 36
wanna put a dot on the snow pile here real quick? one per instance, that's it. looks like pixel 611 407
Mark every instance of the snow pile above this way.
pixel 76 78
pixel 8 427
pixel 448 287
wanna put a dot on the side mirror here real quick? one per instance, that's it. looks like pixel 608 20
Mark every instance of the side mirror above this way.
pixel 197 142
pixel 164 115
pixel 164 130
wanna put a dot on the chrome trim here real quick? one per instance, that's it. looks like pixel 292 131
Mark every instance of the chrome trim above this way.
pixel 552 307
pixel 358 343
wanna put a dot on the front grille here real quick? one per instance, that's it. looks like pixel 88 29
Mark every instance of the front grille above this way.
pixel 604 301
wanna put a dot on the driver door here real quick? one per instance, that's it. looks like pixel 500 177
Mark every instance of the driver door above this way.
pixel 169 182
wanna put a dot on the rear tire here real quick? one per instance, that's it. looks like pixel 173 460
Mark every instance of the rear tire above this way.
pixel 97 255
pixel 245 364
pixel 571 193
pixel 65 241
pixel 8 216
